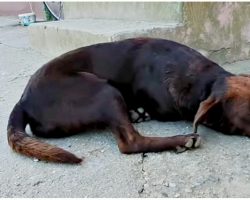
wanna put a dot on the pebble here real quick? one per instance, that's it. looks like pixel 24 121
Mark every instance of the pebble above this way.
pixel 157 182
pixel 164 194
pixel 37 183
pixel 36 160
pixel 145 173
pixel 177 195
pixel 172 185
pixel 141 190
pixel 188 190
pixel 166 184
pixel 17 184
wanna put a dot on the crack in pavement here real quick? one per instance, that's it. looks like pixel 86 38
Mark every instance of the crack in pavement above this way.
pixel 218 50
pixel 142 190
pixel 10 46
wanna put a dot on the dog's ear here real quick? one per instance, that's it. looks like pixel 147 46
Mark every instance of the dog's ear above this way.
pixel 204 107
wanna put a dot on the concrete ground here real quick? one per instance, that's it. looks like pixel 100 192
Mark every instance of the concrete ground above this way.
pixel 220 168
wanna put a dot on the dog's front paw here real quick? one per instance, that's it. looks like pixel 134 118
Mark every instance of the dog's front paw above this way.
pixel 191 141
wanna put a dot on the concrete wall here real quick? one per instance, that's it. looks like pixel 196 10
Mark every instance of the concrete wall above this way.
pixel 15 8
pixel 145 11
pixel 221 30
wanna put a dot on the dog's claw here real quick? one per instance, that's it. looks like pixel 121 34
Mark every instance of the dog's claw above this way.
pixel 197 142
pixel 193 141
pixel 189 143
pixel 180 149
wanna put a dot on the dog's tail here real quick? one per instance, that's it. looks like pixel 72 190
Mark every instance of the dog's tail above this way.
pixel 24 144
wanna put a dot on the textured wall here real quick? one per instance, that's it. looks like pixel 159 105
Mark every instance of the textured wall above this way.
pixel 222 29
pixel 147 11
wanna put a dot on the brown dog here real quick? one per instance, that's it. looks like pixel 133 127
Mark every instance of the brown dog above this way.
pixel 98 85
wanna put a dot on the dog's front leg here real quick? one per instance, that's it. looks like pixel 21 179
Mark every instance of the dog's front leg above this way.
pixel 130 141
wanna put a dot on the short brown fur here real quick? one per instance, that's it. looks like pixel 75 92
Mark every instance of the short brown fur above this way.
pixel 96 86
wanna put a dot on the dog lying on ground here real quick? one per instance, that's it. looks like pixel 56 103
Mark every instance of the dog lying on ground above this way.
pixel 114 84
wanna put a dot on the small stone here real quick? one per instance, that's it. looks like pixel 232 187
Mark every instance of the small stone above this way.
pixel 141 190
pixel 145 173
pixel 188 190
pixel 196 184
pixel 172 185
pixel 166 184
pixel 37 183
pixel 158 182
pixel 164 194
pixel 154 183
pixel 36 160
pixel 177 195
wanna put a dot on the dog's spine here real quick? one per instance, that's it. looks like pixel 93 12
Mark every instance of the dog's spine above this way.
pixel 24 144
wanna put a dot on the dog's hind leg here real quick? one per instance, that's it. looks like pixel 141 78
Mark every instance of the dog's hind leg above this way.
pixel 130 141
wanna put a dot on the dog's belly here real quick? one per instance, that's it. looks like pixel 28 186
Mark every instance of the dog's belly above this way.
pixel 145 102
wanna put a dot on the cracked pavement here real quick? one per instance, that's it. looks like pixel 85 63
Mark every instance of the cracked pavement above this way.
pixel 220 168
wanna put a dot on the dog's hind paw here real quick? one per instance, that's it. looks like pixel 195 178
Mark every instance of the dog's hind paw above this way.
pixel 139 115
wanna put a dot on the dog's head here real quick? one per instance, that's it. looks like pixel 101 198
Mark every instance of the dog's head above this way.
pixel 228 107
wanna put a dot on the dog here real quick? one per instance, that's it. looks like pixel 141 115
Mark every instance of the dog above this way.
pixel 111 85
